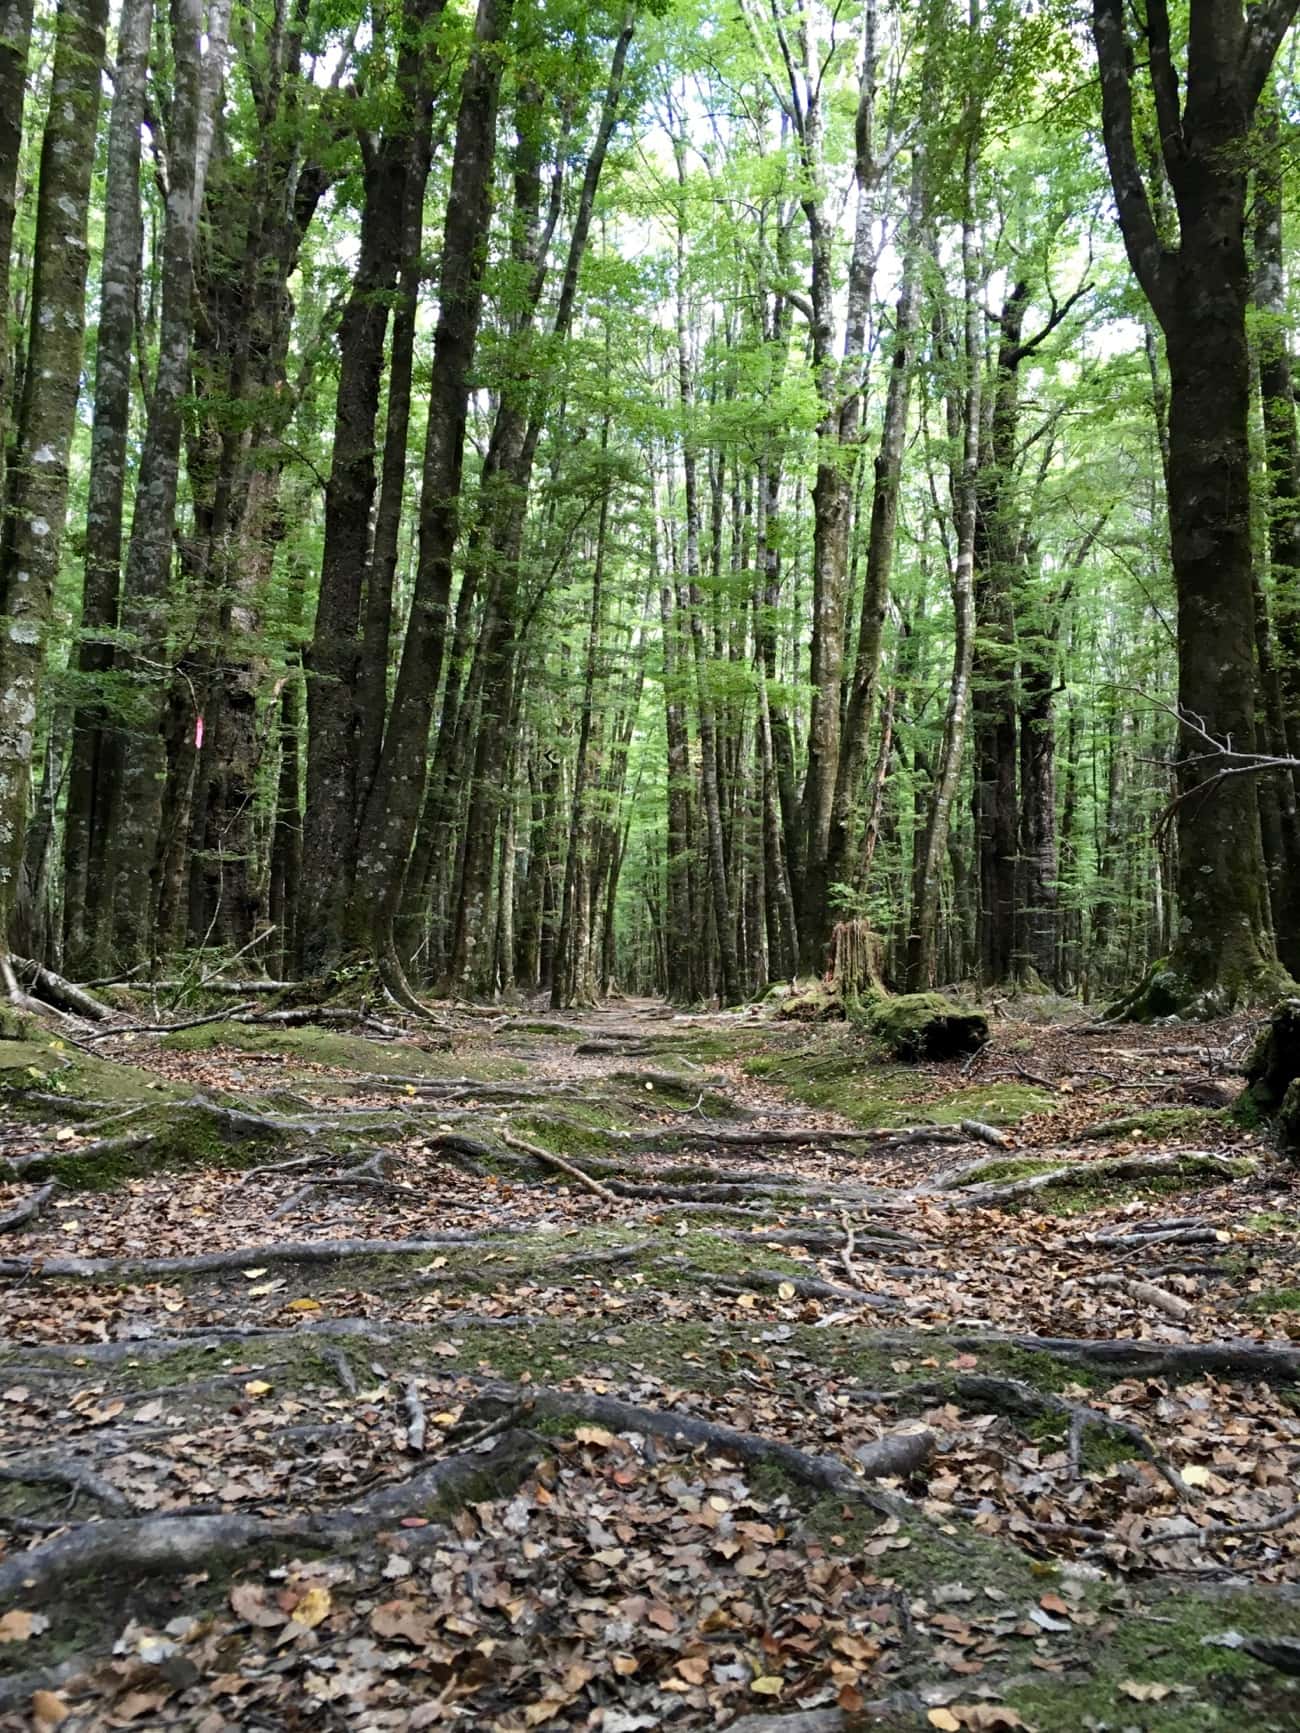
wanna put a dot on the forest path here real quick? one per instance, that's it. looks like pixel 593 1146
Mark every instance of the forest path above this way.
pixel 633 1370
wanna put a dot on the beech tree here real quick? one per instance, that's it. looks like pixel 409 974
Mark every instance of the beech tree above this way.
pixel 1199 290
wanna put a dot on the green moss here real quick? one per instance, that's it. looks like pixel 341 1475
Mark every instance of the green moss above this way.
pixel 51 1067
pixel 311 1045
pixel 1273 1222
pixel 1166 1122
pixel 1084 1186
pixel 1002 1169
pixel 1162 1641
pixel 925 1026
pixel 1275 1300
pixel 846 1080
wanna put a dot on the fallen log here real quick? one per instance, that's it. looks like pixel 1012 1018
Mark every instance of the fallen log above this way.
pixel 67 995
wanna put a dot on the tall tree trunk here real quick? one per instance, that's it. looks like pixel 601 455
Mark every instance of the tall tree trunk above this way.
pixel 964 418
pixel 507 542
pixel 393 807
pixel 29 556
pixel 880 549
pixel 415 84
pixel 573 969
pixel 1224 952
pixel 1279 669
pixel 993 673
pixel 336 722
pixel 85 835
pixel 136 816
pixel 15 41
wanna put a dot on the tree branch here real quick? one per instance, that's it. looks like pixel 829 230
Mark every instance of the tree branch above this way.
pixel 1267 24
pixel 1149 258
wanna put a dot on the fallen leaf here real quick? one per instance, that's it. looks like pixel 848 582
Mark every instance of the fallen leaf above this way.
pixel 16 1626
pixel 1145 1693
pixel 944 1720
pixel 48 1710
pixel 257 1387
pixel 313 1607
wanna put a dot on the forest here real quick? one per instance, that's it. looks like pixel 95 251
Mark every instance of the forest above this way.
pixel 568 498
pixel 649 866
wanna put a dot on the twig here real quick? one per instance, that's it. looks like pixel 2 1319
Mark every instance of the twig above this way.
pixel 548 1159
pixel 416 1422
pixel 847 1250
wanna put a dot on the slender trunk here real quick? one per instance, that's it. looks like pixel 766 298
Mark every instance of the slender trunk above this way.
pixel 880 551
pixel 573 940
pixel 923 938
pixel 393 807
pixel 85 833
pixel 15 42
pixel 33 531
pixel 137 814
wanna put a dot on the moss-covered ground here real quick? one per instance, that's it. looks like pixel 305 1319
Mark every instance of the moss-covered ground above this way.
pixel 274 1385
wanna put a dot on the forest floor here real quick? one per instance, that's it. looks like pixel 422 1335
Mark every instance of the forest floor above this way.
pixel 639 1370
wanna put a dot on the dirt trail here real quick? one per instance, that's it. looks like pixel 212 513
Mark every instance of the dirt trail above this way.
pixel 631 1370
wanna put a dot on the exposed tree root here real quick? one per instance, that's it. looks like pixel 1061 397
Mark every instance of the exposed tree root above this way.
pixel 75 1476
pixel 820 1473
pixel 1193 1163
pixel 205 1263
pixel 1154 1359
pixel 28 1209
pixel 183 1543
pixel 1013 1397
pixel 805 1287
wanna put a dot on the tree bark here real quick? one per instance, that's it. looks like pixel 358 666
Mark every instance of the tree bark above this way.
pixel 393 807
pixel 345 695
pixel 136 817
pixel 29 556
pixel 15 42
pixel 85 825
pixel 1223 952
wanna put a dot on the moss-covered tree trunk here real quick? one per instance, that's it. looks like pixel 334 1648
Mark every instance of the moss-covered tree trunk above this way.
pixel 29 554
pixel 1223 951
pixel 15 40
pixel 393 808
pixel 198 43
pixel 85 825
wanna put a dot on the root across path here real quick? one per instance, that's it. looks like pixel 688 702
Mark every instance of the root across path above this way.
pixel 629 1371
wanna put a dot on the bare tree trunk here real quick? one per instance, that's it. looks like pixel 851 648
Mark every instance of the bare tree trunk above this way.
pixel 15 41
pixel 85 833
pixel 393 807
pixel 29 556
pixel 1224 953
pixel 137 807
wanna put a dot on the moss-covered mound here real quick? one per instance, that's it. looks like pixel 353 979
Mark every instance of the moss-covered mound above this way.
pixel 926 1026
pixel 1273 1075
